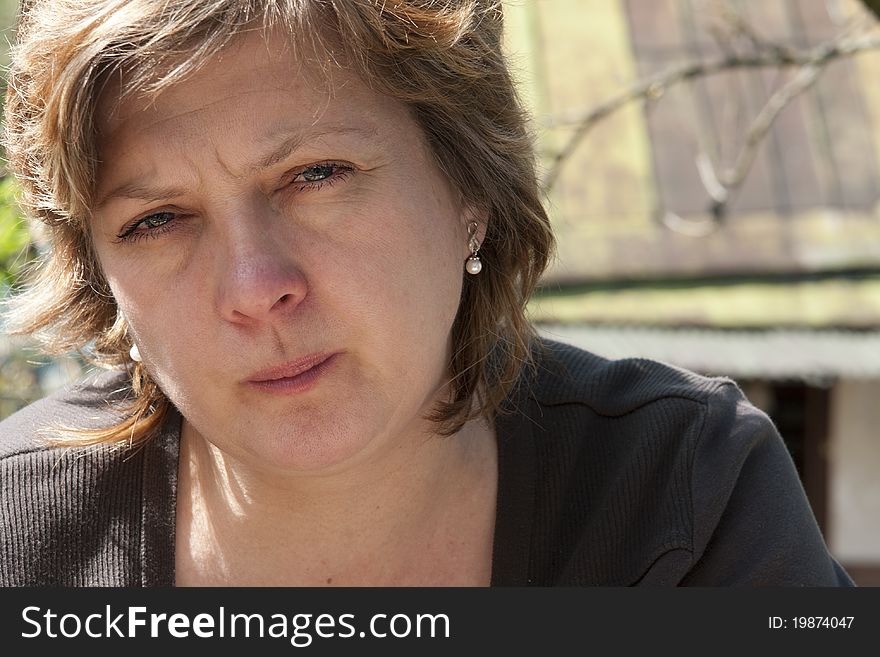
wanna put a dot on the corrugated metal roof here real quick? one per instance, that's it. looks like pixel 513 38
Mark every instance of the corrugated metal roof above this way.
pixel 772 354
pixel 833 303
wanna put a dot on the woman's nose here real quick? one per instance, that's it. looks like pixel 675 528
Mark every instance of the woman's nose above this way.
pixel 260 278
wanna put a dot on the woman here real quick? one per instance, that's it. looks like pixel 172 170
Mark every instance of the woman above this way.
pixel 300 236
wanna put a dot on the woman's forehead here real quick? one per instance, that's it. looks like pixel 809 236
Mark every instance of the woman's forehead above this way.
pixel 255 107
pixel 253 61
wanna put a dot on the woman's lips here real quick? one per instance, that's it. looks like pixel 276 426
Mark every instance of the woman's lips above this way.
pixel 293 377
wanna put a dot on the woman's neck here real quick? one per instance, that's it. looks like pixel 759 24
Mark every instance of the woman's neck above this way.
pixel 421 511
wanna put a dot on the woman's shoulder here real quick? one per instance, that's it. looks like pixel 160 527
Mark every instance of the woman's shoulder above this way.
pixel 565 374
pixel 657 418
pixel 632 406
pixel 644 463
pixel 75 516
pixel 88 403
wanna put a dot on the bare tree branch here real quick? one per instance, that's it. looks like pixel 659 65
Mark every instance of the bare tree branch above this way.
pixel 734 20
pixel 813 61
pixel 760 127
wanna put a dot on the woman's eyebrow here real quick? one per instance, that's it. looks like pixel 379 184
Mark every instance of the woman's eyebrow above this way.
pixel 139 190
pixel 291 141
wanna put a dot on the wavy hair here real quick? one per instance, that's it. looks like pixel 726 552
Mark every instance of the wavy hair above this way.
pixel 442 58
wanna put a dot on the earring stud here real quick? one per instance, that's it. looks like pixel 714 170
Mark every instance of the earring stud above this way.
pixel 473 265
pixel 135 353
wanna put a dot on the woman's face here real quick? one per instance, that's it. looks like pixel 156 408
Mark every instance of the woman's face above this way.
pixel 287 254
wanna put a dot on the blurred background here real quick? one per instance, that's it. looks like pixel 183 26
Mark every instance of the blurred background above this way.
pixel 712 169
pixel 25 375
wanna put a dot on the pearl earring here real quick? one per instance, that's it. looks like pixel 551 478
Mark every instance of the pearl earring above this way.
pixel 473 265
pixel 135 353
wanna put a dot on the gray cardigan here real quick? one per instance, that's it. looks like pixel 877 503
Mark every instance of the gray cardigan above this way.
pixel 611 473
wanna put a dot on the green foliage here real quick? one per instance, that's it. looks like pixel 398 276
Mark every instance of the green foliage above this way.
pixel 15 240
pixel 24 375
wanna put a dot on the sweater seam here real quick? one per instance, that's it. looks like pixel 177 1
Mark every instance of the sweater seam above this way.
pixel 703 400
pixel 142 552
pixel 661 552
pixel 694 446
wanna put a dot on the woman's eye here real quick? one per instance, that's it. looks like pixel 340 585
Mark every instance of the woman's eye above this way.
pixel 318 175
pixel 156 220
pixel 149 226
pixel 317 172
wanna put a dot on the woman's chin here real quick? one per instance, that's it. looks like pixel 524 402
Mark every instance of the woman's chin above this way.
pixel 308 452
pixel 320 447
pixel 319 438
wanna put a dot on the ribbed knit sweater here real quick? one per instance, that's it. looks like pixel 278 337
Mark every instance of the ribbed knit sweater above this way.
pixel 610 473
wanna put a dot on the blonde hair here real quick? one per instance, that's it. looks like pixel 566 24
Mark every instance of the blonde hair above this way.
pixel 442 58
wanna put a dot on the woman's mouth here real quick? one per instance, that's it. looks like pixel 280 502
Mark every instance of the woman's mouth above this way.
pixel 294 376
